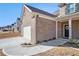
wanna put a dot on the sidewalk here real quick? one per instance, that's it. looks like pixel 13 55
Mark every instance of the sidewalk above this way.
pixel 22 51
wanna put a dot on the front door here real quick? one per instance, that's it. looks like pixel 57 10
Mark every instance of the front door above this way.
pixel 66 31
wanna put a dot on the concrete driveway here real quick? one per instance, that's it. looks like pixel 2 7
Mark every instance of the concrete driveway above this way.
pixel 10 42
pixel 23 51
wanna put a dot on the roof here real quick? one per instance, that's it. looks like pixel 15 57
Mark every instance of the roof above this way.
pixel 56 12
pixel 39 11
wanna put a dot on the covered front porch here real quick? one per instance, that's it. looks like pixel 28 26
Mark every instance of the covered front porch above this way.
pixel 68 27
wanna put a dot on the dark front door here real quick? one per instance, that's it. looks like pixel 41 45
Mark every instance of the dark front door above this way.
pixel 66 31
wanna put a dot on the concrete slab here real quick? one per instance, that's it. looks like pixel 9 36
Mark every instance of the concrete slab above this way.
pixel 22 51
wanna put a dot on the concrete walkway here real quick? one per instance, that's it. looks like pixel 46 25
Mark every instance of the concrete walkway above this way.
pixel 22 51
pixel 9 42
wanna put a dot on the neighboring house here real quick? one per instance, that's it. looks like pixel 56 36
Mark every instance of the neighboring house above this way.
pixel 18 22
pixel 15 27
pixel 38 25
pixel 5 28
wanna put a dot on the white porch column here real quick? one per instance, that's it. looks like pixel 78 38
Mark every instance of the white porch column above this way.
pixel 56 29
pixel 70 28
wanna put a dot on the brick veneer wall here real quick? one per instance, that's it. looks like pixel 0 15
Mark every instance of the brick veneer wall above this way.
pixel 75 29
pixel 60 29
pixel 45 29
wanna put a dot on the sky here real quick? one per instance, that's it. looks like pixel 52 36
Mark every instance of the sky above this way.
pixel 10 11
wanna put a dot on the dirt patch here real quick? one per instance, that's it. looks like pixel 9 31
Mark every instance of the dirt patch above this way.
pixel 60 51
pixel 9 34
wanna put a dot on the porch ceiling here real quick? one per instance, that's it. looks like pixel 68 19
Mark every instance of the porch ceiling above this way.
pixel 74 16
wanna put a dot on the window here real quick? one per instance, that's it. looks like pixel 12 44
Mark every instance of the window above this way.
pixel 70 8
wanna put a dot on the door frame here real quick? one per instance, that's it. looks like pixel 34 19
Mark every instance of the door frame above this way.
pixel 64 30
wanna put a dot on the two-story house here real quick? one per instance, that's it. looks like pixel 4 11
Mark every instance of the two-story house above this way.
pixel 39 25
pixel 67 21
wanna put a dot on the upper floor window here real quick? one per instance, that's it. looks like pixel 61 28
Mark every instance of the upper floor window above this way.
pixel 70 8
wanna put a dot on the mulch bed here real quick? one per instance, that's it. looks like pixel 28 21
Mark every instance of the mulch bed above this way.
pixel 62 50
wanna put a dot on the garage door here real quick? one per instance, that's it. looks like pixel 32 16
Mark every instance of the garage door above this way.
pixel 27 33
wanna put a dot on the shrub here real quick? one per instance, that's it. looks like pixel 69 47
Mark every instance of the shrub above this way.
pixel 50 39
pixel 24 44
pixel 54 38
pixel 38 42
pixel 72 41
pixel 45 40
pixel 29 44
pixel 77 45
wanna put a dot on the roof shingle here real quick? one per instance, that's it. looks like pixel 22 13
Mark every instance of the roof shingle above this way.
pixel 40 11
